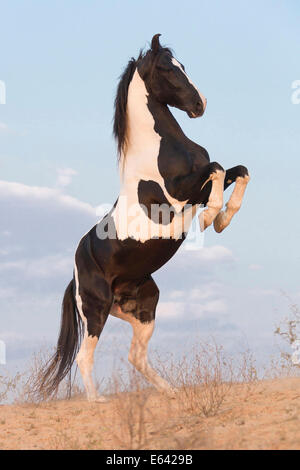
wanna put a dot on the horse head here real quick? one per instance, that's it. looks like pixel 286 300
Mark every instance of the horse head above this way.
pixel 166 80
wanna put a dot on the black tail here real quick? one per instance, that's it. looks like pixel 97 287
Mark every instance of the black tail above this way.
pixel 60 364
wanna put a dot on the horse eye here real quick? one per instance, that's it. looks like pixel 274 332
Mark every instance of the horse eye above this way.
pixel 165 68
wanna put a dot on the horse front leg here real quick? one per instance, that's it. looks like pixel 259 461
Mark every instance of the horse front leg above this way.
pixel 194 188
pixel 215 199
pixel 239 175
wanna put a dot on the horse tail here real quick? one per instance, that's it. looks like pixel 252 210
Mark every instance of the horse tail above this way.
pixel 60 364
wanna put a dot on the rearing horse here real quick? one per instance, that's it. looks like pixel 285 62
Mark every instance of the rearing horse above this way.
pixel 160 167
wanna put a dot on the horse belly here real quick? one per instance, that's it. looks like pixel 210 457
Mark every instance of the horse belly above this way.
pixel 131 259
pixel 136 260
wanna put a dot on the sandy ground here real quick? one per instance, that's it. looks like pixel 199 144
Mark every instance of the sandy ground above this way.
pixel 265 417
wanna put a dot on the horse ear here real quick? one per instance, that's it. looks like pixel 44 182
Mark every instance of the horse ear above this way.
pixel 155 45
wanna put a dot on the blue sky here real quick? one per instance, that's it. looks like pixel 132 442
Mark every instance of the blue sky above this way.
pixel 60 61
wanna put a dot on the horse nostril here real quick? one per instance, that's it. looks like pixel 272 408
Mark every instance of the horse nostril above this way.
pixel 202 104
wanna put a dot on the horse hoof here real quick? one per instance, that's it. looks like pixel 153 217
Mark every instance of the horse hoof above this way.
pixel 219 222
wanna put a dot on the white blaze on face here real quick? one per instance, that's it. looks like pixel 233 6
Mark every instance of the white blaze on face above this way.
pixel 203 99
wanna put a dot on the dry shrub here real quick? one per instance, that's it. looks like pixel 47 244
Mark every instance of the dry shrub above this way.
pixel 289 331
pixel 206 380
pixel 141 418
pixel 246 374
pixel 130 403
pixel 205 376
pixel 23 388
pixel 8 385
pixel 139 412
pixel 28 391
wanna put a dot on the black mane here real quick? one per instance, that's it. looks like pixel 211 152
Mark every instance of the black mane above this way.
pixel 121 104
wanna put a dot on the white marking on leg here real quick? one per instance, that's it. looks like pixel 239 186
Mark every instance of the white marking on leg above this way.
pixel 85 361
pixel 138 356
pixel 215 200
pixel 223 219
pixel 85 356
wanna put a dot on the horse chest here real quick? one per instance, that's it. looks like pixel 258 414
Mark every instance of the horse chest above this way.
pixel 145 209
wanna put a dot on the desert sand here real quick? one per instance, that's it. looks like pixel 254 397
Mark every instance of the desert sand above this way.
pixel 263 416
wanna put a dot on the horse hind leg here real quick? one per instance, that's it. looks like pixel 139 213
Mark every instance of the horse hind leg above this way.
pixel 93 305
pixel 138 354
pixel 240 176
pixel 142 333
pixel 140 313
pixel 85 362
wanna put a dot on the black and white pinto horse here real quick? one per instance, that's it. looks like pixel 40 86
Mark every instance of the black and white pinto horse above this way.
pixel 159 166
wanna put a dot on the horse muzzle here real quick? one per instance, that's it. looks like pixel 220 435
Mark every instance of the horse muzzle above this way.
pixel 197 111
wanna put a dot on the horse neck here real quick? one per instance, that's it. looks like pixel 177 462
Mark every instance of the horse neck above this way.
pixel 142 134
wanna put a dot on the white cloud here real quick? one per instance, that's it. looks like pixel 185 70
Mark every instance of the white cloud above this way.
pixel 193 269
pixel 215 306
pixel 208 290
pixel 193 302
pixel 208 256
pixel 7 292
pixel 64 176
pixel 37 222
pixel 43 267
pixel 215 253
pixel 270 292
pixel 168 310
pixel 31 194
pixel 5 233
pixel 3 127
pixel 176 294
pixel 103 209
pixel 11 336
pixel 197 294
pixel 255 267
pixel 40 230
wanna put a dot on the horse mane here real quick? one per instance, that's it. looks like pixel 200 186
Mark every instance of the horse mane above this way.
pixel 120 116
